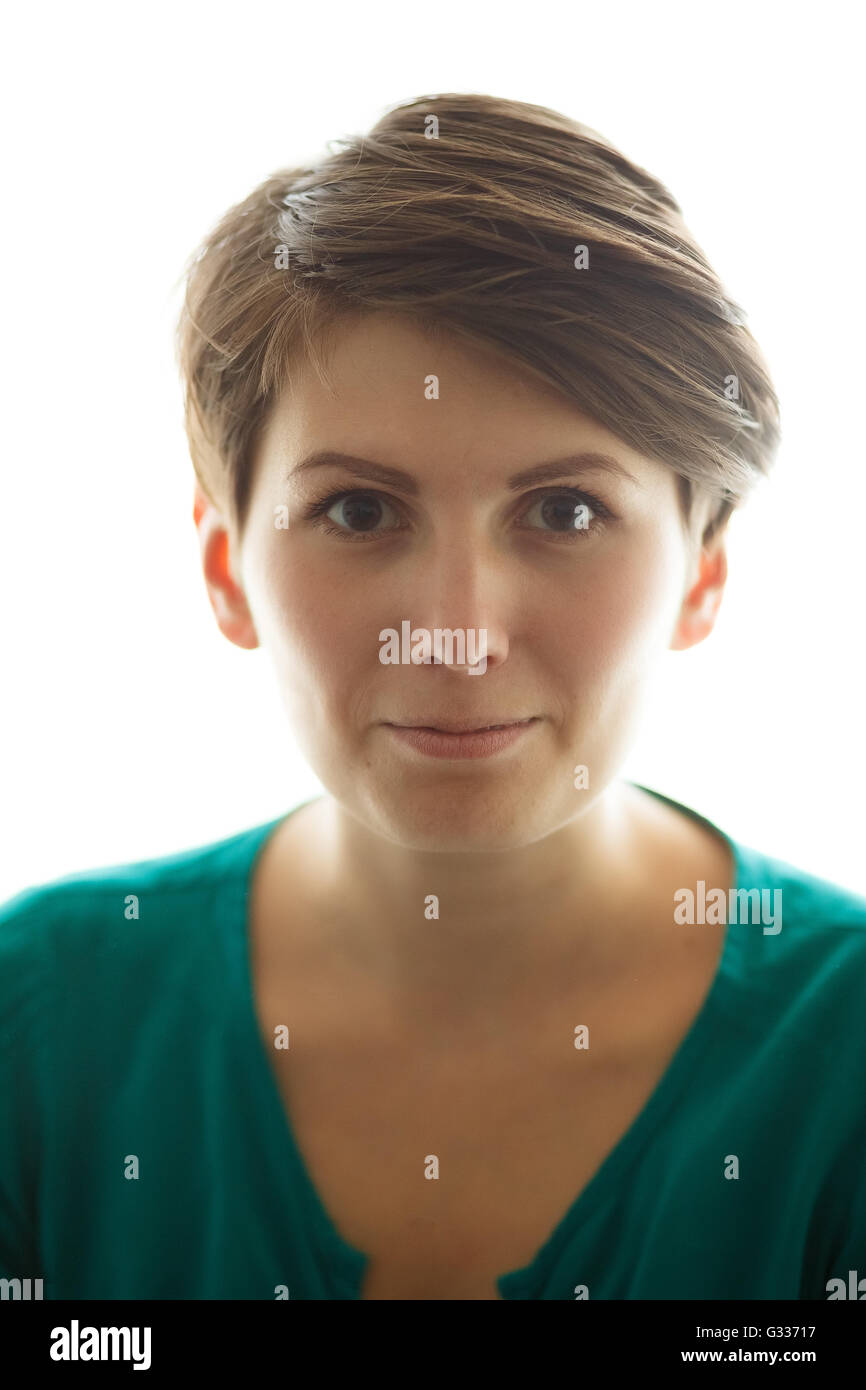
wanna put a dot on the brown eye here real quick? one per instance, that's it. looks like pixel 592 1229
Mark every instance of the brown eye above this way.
pixel 353 516
pixel 357 512
pixel 565 512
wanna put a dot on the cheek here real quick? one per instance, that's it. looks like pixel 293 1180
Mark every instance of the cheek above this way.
pixel 316 627
pixel 617 614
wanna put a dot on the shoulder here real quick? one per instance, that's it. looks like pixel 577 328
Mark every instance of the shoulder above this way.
pixel 796 950
pixel 810 912
pixel 77 917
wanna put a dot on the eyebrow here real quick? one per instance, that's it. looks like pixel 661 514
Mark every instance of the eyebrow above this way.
pixel 586 461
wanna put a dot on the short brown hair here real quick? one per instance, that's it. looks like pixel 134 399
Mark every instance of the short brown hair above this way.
pixel 464 212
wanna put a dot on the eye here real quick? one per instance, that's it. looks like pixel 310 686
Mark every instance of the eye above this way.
pixel 569 513
pixel 353 516
pixel 357 515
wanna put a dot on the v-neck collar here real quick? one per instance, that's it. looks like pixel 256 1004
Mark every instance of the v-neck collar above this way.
pixel 345 1264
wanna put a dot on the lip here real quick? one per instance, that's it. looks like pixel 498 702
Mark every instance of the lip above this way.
pixel 472 742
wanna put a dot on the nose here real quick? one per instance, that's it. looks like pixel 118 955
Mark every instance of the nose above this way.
pixel 461 586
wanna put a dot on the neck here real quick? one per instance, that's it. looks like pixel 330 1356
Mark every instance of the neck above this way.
pixel 485 918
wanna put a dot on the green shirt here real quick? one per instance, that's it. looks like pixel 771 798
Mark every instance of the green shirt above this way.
pixel 129 1044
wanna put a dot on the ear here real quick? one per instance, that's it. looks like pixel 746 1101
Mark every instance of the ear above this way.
pixel 700 607
pixel 227 598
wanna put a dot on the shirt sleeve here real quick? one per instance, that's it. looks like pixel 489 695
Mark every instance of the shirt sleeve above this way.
pixel 847 1262
pixel 24 1019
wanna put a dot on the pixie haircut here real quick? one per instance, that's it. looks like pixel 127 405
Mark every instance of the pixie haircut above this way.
pixel 506 224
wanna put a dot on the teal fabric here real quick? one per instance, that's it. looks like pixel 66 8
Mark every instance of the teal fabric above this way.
pixel 124 1037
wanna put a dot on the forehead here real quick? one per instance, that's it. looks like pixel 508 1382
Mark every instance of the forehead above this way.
pixel 425 399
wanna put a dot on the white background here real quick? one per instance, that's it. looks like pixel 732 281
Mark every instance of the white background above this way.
pixel 131 727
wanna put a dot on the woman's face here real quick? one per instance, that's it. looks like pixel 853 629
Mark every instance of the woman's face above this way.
pixel 577 605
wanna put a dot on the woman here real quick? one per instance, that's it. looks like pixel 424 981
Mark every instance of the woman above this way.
pixel 485 1020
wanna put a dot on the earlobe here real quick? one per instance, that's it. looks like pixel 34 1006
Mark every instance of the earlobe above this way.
pixel 700 608
pixel 227 598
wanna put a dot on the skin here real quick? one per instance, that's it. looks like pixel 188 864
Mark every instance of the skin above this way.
pixel 576 628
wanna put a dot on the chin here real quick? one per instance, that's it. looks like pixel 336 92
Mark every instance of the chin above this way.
pixel 459 818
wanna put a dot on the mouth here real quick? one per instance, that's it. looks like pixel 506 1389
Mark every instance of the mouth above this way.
pixel 450 739
pixel 447 727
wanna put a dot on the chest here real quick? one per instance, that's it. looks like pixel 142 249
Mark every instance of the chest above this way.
pixel 450 1165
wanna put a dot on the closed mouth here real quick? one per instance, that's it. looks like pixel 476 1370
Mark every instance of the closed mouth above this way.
pixel 467 728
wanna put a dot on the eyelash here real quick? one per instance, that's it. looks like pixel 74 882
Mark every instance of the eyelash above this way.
pixel 316 512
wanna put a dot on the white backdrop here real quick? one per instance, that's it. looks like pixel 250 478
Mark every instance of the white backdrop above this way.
pixel 131 727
